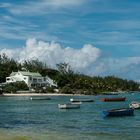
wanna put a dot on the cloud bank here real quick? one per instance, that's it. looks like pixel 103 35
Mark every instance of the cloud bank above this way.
pixel 53 53
pixel 88 59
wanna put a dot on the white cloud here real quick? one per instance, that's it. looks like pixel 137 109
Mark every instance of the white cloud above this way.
pixel 87 59
pixel 61 3
pixel 125 67
pixel 43 6
pixel 53 53
pixel 5 5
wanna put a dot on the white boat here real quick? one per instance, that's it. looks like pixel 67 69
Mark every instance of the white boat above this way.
pixel 76 103
pixel 135 105
pixel 69 106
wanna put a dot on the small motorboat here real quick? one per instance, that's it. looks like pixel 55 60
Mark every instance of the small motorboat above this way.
pixel 40 98
pixel 81 100
pixel 69 106
pixel 119 112
pixel 134 105
pixel 113 99
pixel 76 103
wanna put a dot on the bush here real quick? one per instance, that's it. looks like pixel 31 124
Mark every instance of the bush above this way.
pixel 66 90
pixel 14 87
pixel 50 89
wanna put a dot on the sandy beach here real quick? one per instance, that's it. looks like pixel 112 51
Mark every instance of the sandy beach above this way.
pixel 37 94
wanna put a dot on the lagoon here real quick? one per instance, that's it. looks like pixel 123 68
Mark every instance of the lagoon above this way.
pixel 23 119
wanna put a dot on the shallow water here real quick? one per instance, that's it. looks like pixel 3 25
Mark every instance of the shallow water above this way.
pixel 23 119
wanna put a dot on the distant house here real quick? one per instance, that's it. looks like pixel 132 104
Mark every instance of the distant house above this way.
pixel 32 79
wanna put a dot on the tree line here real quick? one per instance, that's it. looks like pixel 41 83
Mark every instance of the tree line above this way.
pixel 68 80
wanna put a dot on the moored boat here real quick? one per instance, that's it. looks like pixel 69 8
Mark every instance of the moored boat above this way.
pixel 134 105
pixel 81 100
pixel 119 112
pixel 68 106
pixel 40 98
pixel 113 99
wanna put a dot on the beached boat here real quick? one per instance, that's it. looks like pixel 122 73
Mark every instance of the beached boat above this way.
pixel 134 105
pixel 113 99
pixel 119 112
pixel 69 106
pixel 81 100
pixel 40 98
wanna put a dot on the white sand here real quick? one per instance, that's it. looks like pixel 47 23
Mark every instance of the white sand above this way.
pixel 37 94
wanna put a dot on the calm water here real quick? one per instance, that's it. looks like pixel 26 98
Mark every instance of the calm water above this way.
pixel 23 119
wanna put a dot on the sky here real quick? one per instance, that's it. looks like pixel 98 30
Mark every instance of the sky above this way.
pixel 96 37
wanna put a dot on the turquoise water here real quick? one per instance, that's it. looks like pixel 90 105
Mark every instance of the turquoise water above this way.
pixel 23 119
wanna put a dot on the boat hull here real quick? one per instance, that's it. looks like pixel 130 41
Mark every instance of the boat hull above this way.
pixel 37 98
pixel 81 100
pixel 69 106
pixel 113 99
pixel 134 105
pixel 119 112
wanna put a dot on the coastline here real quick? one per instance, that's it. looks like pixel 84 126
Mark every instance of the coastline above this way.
pixel 40 94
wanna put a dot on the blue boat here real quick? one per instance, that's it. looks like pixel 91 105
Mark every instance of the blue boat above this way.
pixel 119 112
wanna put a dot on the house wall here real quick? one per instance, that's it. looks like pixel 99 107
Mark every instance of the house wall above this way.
pixel 31 80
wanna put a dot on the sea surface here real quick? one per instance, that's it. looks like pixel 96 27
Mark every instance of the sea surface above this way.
pixel 25 119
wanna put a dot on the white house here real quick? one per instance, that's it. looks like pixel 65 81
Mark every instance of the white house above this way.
pixel 32 79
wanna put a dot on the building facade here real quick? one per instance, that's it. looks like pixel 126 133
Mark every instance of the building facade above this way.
pixel 32 79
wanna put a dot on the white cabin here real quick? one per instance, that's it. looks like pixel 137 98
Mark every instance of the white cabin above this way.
pixel 32 79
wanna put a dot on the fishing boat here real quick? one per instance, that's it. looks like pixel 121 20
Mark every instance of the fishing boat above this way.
pixel 113 99
pixel 119 112
pixel 40 98
pixel 134 105
pixel 69 106
pixel 81 100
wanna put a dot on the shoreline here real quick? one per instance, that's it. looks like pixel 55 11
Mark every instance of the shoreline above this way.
pixel 59 94
pixel 39 94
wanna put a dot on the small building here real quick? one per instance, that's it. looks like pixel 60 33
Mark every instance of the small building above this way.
pixel 32 79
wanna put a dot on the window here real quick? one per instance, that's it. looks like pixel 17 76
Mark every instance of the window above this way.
pixel 34 80
pixel 44 78
pixel 39 80
pixel 8 79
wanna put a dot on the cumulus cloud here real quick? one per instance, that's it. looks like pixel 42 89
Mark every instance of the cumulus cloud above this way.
pixel 124 67
pixel 53 53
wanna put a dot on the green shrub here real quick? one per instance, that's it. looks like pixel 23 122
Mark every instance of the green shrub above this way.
pixel 66 90
pixel 13 87
pixel 50 89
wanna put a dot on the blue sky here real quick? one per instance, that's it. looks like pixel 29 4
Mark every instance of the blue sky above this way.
pixel 110 29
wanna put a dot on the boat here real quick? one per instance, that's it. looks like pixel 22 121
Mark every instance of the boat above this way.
pixel 113 99
pixel 119 112
pixel 81 100
pixel 134 105
pixel 110 93
pixel 76 103
pixel 69 106
pixel 40 98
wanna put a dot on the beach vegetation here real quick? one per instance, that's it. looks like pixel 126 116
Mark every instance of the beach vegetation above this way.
pixel 67 79
pixel 14 87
